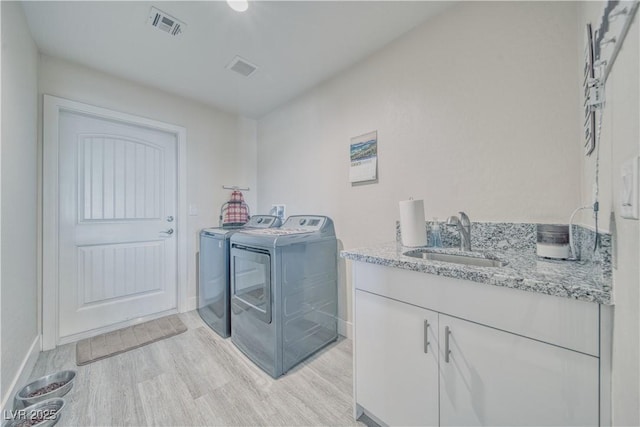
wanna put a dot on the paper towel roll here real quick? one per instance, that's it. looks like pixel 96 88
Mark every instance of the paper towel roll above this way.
pixel 412 223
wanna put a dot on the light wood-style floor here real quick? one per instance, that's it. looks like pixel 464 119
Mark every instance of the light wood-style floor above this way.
pixel 198 378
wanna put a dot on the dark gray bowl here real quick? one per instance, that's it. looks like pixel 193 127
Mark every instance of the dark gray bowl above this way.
pixel 22 398
pixel 50 409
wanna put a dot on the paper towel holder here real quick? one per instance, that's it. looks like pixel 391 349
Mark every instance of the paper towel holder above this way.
pixel 412 223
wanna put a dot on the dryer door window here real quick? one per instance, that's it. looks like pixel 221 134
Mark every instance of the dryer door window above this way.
pixel 251 270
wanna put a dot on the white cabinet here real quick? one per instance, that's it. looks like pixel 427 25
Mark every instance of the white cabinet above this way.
pixel 397 360
pixel 502 379
pixel 495 361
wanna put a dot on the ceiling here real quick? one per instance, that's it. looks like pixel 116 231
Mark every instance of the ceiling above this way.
pixel 296 44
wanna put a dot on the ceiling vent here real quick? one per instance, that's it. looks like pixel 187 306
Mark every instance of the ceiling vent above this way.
pixel 242 66
pixel 165 22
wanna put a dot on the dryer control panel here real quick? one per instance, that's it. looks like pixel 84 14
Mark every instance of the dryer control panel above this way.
pixel 305 222
pixel 263 221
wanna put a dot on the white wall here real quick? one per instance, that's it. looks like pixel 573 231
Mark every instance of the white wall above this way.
pixel 18 212
pixel 1 394
pixel 221 147
pixel 620 141
pixel 475 111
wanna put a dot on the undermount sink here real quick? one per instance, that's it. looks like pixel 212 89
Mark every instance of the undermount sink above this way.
pixel 456 259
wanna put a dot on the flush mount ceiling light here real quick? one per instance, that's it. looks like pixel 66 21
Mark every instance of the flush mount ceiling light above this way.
pixel 238 5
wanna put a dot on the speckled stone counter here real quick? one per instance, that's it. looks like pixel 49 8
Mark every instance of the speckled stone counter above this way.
pixel 581 280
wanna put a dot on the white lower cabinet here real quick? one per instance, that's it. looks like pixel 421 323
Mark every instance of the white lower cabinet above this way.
pixel 500 379
pixel 469 373
pixel 396 371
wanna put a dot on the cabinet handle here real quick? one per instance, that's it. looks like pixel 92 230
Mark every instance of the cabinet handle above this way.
pixel 447 351
pixel 426 336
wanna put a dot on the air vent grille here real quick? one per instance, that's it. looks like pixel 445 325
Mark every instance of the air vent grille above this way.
pixel 165 22
pixel 242 66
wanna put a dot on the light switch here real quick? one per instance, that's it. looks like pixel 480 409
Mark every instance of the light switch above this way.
pixel 629 189
pixel 193 210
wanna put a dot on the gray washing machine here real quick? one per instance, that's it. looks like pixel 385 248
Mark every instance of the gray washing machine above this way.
pixel 214 280
pixel 284 293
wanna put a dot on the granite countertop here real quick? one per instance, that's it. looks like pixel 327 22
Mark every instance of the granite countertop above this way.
pixel 524 270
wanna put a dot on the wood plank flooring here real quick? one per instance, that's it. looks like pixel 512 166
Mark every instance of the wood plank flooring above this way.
pixel 198 378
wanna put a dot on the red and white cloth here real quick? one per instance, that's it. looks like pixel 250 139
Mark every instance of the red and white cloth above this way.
pixel 236 211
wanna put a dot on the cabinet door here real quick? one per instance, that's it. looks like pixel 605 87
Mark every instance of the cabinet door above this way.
pixel 396 373
pixel 497 378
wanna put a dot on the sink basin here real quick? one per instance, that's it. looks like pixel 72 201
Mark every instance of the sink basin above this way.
pixel 457 259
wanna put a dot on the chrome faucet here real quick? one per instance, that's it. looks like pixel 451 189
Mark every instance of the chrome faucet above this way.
pixel 464 227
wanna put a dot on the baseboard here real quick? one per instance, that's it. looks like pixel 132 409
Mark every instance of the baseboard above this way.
pixel 22 376
pixel 191 304
pixel 368 419
pixel 345 328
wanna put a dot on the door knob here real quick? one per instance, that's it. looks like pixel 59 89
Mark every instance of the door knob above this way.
pixel 170 218
pixel 168 232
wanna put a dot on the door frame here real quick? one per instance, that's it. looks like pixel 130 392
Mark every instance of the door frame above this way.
pixel 52 106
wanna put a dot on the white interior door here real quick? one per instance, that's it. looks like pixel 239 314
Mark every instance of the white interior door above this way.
pixel 117 234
